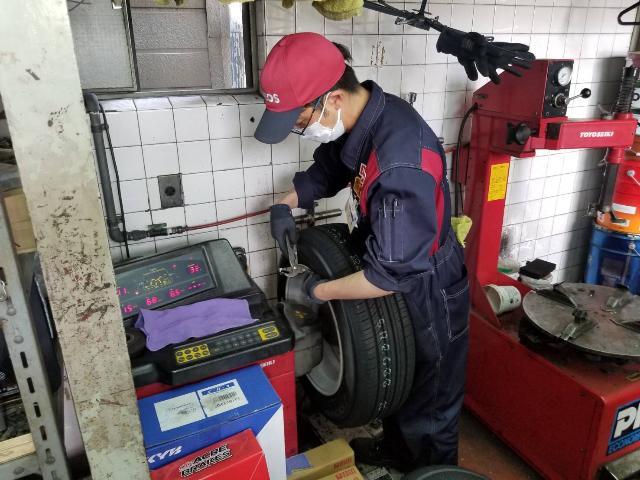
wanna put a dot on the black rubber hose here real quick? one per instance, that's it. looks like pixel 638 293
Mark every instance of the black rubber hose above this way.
pixel 608 187
pixel 457 186
pixel 117 173
pixel 97 127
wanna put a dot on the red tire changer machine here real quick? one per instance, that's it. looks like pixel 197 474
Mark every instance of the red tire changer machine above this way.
pixel 559 378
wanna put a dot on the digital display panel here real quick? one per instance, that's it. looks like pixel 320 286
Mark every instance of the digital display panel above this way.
pixel 157 284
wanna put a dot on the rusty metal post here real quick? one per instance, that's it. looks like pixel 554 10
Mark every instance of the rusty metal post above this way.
pixel 40 88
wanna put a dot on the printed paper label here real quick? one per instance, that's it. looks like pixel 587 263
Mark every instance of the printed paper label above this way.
pixel 498 182
pixel 351 212
pixel 178 411
pixel 221 398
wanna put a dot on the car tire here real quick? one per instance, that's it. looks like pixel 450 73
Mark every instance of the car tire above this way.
pixel 375 339
pixel 444 472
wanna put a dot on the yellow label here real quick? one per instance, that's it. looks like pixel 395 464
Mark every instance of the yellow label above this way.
pixel 268 333
pixel 192 354
pixel 498 181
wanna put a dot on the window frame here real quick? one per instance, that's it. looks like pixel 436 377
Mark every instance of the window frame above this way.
pixel 117 92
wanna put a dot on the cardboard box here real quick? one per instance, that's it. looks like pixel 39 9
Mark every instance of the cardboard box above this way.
pixel 319 462
pixel 351 473
pixel 19 220
pixel 238 457
pixel 178 422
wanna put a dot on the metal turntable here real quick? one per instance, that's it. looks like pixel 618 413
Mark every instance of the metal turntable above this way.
pixel 598 320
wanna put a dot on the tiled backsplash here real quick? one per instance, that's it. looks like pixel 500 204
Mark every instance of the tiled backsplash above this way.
pixel 226 172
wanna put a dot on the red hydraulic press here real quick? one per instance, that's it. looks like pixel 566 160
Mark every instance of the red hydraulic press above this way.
pixel 568 403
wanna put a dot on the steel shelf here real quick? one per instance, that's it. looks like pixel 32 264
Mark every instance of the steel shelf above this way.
pixel 48 458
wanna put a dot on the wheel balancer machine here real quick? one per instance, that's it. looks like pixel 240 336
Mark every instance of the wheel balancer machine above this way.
pixel 569 405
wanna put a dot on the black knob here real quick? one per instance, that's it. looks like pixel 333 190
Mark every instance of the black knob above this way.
pixel 560 100
pixel 522 133
pixel 585 92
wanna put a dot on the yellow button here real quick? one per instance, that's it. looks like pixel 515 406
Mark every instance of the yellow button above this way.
pixel 268 333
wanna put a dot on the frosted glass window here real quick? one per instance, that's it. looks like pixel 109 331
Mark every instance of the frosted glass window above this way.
pixel 102 45
pixel 199 45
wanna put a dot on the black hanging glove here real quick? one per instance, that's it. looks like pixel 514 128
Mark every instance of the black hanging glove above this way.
pixel 466 47
pixel 477 53
pixel 283 227
pixel 507 55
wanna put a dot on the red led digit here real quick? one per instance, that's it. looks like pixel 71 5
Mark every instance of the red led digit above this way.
pixel 128 308
pixel 193 268
pixel 121 291
pixel 152 300
pixel 174 293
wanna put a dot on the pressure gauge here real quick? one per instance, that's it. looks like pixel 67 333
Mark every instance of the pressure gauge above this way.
pixel 563 77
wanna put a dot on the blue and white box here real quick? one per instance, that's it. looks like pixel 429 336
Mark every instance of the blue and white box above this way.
pixel 181 421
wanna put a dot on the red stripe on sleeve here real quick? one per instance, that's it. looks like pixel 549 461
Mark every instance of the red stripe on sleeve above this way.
pixel 433 165
pixel 372 173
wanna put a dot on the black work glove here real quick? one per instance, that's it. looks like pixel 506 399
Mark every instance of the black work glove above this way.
pixel 283 227
pixel 477 53
pixel 311 281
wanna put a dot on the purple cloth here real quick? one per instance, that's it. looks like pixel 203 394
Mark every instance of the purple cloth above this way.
pixel 175 325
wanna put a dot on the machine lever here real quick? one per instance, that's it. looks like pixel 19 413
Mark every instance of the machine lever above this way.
pixel 562 101
pixel 518 133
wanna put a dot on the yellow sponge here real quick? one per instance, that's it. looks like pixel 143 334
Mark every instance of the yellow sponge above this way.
pixel 461 226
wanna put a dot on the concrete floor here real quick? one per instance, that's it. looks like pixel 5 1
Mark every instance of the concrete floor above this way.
pixel 480 450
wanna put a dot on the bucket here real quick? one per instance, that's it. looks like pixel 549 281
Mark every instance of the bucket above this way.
pixel 626 199
pixel 503 298
pixel 614 259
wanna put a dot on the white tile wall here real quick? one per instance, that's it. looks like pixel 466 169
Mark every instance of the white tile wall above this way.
pixel 227 173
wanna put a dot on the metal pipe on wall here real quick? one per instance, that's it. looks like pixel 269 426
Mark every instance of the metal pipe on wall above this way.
pixel 97 128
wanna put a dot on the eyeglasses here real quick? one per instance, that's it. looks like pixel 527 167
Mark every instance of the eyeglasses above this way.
pixel 300 131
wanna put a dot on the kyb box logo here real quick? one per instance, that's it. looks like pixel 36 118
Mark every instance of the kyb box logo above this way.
pixel 626 427
pixel 166 454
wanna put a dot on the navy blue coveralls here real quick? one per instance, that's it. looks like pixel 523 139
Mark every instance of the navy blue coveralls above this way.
pixel 396 167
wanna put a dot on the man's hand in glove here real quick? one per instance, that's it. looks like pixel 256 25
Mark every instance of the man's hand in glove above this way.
pixel 310 282
pixel 283 227
pixel 476 53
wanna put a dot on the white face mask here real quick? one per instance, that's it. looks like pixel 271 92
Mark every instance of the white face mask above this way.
pixel 318 132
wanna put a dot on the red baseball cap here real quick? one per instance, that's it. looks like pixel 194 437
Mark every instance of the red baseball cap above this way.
pixel 299 68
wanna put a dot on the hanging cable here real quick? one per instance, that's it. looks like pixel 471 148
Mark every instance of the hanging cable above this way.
pixel 458 208
pixel 115 169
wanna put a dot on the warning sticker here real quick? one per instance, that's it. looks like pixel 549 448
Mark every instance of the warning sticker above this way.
pixel 221 398
pixel 178 411
pixel 498 182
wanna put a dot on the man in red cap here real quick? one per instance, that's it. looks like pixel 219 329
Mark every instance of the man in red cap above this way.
pixel 395 165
